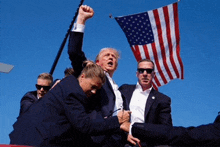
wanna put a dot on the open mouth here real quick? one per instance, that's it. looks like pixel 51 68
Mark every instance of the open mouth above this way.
pixel 110 63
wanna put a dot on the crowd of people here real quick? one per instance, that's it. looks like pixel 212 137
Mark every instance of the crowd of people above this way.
pixel 88 109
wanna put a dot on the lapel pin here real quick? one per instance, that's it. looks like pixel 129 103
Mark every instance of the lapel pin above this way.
pixel 153 97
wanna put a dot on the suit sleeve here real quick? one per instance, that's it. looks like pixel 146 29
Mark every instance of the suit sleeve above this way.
pixel 76 55
pixel 26 102
pixel 80 120
pixel 208 135
pixel 165 112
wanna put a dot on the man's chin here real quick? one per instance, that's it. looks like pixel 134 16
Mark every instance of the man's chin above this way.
pixel 110 69
pixel 145 82
pixel 40 95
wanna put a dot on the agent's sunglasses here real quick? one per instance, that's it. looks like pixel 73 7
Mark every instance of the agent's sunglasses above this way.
pixel 44 87
pixel 148 70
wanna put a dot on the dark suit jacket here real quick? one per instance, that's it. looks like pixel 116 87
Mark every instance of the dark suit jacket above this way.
pixel 60 119
pixel 204 135
pixel 157 110
pixel 105 96
pixel 27 100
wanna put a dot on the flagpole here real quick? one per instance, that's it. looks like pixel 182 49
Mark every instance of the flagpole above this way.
pixel 64 40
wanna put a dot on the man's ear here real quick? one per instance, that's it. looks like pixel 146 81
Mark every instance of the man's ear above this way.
pixel 82 75
pixel 154 74
pixel 97 62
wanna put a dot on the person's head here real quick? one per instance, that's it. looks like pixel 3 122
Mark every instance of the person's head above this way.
pixel 68 71
pixel 91 78
pixel 43 85
pixel 108 60
pixel 145 73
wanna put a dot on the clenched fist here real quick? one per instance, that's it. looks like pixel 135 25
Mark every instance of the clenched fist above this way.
pixel 123 116
pixel 85 12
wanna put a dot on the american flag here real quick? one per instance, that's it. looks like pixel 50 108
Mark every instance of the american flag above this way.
pixel 155 35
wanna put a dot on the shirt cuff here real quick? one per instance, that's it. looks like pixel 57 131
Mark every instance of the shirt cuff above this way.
pixel 78 28
pixel 130 128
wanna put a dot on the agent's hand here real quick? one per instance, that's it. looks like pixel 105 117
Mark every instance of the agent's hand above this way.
pixel 125 126
pixel 133 140
pixel 123 116
pixel 85 12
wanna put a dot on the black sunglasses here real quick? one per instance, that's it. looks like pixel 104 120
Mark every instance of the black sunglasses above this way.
pixel 44 87
pixel 148 70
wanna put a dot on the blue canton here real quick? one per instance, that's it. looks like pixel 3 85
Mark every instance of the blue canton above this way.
pixel 137 28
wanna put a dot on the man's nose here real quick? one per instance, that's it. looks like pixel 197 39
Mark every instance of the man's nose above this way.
pixel 145 72
pixel 111 57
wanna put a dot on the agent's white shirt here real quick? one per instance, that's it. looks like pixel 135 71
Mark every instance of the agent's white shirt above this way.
pixel 137 104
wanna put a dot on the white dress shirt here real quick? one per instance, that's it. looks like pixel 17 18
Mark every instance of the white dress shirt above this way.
pixel 118 98
pixel 137 104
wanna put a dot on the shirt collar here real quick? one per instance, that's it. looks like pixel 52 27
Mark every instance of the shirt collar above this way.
pixel 138 86
pixel 108 76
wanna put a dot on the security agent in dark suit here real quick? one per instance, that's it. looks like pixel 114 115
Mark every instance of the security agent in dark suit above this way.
pixel 156 134
pixel 61 117
pixel 43 85
pixel 110 97
pixel 146 104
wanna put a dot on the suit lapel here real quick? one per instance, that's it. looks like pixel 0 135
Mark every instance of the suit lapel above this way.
pixel 151 98
pixel 34 96
pixel 127 94
pixel 108 98
pixel 130 93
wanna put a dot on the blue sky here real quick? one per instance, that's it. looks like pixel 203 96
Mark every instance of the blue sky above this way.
pixel 31 33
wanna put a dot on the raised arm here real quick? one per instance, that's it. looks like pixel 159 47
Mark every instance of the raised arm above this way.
pixel 76 55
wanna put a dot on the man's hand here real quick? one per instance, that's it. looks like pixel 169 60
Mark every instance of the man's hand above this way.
pixel 125 126
pixel 134 140
pixel 123 116
pixel 85 12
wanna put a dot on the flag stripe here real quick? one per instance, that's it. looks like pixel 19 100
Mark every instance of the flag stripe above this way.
pixel 168 16
pixel 167 41
pixel 151 57
pixel 156 50
pixel 136 52
pixel 142 52
pixel 158 14
pixel 146 52
pixel 176 20
pixel 174 41
pixel 157 62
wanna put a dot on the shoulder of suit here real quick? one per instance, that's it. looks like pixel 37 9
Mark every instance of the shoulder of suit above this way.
pixel 126 86
pixel 70 86
pixel 160 95
pixel 33 93
pixel 69 83
pixel 30 95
